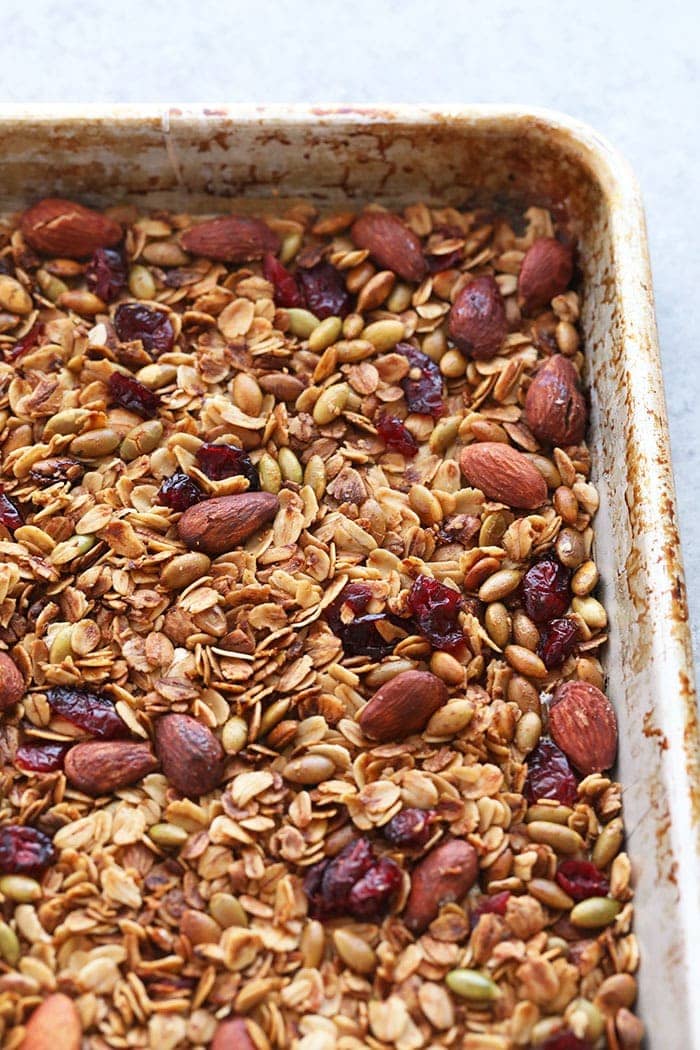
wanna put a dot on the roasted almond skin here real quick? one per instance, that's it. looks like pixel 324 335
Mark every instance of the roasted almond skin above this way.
pixel 99 767
pixel 12 686
pixel 546 271
pixel 232 1035
pixel 54 1025
pixel 403 706
pixel 191 756
pixel 504 474
pixel 54 226
pixel 218 525
pixel 230 238
pixel 390 243
pixel 445 875
pixel 583 724
pixel 555 408
pixel 478 323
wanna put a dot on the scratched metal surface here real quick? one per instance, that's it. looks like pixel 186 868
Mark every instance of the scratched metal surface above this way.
pixel 201 158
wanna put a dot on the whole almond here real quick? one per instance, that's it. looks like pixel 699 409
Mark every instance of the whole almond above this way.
pixel 445 875
pixel 583 724
pixel 230 238
pixel 402 706
pixel 12 687
pixel 478 323
pixel 546 271
pixel 232 1035
pixel 218 525
pixel 390 243
pixel 191 756
pixel 555 408
pixel 99 767
pixel 54 1025
pixel 504 474
pixel 55 226
pixel 284 387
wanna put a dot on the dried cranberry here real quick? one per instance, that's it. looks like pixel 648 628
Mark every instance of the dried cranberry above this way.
pixel 557 641
pixel 422 386
pixel 359 636
pixel 372 895
pixel 41 758
pixel 565 1040
pixel 129 393
pixel 329 883
pixel 153 327
pixel 496 904
pixel 179 492
pixel 550 775
pixel 227 461
pixel 95 714
pixel 27 342
pixel 10 517
pixel 435 609
pixel 286 292
pixel 106 274
pixel 581 879
pixel 546 591
pixel 324 291
pixel 24 850
pixel 410 828
pixel 396 436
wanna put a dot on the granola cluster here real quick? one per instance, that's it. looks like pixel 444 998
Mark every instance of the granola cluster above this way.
pixel 304 736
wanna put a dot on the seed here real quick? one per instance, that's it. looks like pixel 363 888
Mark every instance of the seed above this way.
pixel 52 287
pixel 426 505
pixel 585 578
pixel 594 912
pixel 156 375
pixel 141 283
pixel 169 836
pixel 549 893
pixel 227 910
pixel 13 296
pixel 325 334
pixel 353 350
pixel 95 443
pixel 443 434
pixel 497 622
pixel 493 528
pixel 525 662
pixel 143 439
pixel 620 989
pixel 500 584
pixel 9 944
pixel 571 549
pixel 453 365
pixel 315 476
pixel 290 466
pixel 184 569
pixel 234 735
pixel 84 303
pixel 309 769
pixel 565 504
pixel 562 839
pixel 69 421
pixel 587 495
pixel 524 694
pixel 450 719
pixel 400 298
pixel 312 943
pixel 60 645
pixel 274 714
pixel 608 843
pixel 585 1018
pixel 447 667
pixel 269 473
pixel 354 952
pixel 528 731
pixel 434 344
pixel 375 291
pixel 556 814
pixel 357 276
pixel 591 612
pixel 164 253
pixel 20 888
pixel 301 322
pixel 524 631
pixel 567 338
pixel 384 335
pixel 331 403
pixel 471 984
pixel 247 394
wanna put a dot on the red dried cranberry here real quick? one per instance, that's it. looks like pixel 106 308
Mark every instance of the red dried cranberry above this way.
pixel 106 274
pixel 372 895
pixel 422 386
pixel 24 850
pixel 180 491
pixel 557 641
pixel 41 758
pixel 359 636
pixel 546 591
pixel 153 327
pixel 286 292
pixel 324 291
pixel 396 436
pixel 410 828
pixel 95 714
pixel 435 609
pixel 328 884
pixel 550 775
pixel 565 1040
pixel 10 517
pixel 581 879
pixel 494 905
pixel 26 343
pixel 129 393
pixel 227 461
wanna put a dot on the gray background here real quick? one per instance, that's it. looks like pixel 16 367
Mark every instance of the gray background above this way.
pixel 628 68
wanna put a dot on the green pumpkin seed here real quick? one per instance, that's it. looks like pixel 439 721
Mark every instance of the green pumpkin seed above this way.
pixel 302 322
pixel 472 984
pixel 9 944
pixel 20 888
pixel 595 912
pixel 169 836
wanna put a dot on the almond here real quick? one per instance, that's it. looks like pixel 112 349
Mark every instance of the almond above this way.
pixel 445 875
pixel 478 323
pixel 232 1035
pixel 583 724
pixel 218 525
pixel 99 767
pixel 402 706
pixel 284 387
pixel 390 243
pixel 59 227
pixel 12 686
pixel 504 474
pixel 191 756
pixel 555 408
pixel 54 1025
pixel 230 238
pixel 546 271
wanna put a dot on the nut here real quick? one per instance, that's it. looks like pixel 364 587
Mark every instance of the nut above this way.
pixel 402 706
pixel 230 238
pixel 555 408
pixel 583 724
pixel 54 1025
pixel 11 682
pixel 217 525
pixel 191 756
pixel 55 226
pixel 99 767
pixel 283 386
pixel 546 271
pixel 390 243
pixel 232 1035
pixel 504 474
pixel 445 875
pixel 478 323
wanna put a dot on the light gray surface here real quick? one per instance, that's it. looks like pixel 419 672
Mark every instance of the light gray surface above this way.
pixel 628 68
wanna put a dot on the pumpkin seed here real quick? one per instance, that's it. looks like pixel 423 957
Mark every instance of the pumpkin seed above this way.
pixel 473 985
pixel 595 912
